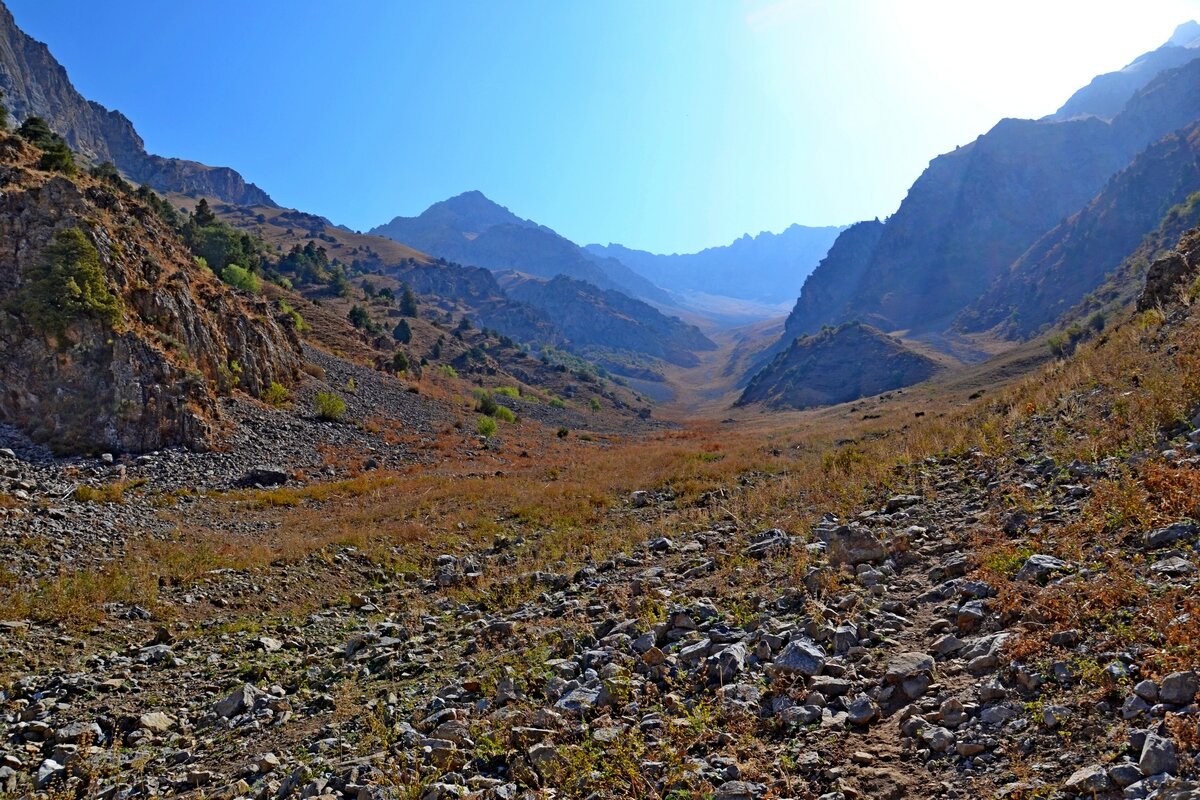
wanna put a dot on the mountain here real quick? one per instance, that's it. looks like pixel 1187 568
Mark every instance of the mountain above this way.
pixel 471 229
pixel 599 318
pixel 1074 258
pixel 769 267
pixel 1107 94
pixel 976 210
pixel 113 337
pixel 838 364
pixel 34 83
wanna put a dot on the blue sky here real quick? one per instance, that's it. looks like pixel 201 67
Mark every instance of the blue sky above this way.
pixel 668 125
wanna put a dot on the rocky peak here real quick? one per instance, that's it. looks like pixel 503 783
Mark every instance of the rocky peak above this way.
pixel 34 83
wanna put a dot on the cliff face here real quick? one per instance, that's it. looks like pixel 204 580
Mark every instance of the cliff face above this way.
pixel 976 210
pixel 153 378
pixel 34 83
pixel 1076 256
pixel 837 365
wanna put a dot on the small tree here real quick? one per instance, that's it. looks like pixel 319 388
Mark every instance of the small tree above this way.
pixel 203 216
pixel 402 333
pixel 400 362
pixel 594 404
pixel 359 317
pixel 66 283
pixel 408 302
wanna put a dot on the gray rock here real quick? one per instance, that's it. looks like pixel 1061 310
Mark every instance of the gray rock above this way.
pixel 1088 780
pixel 265 475
pixel 1038 568
pixel 726 665
pixel 1158 756
pixel 861 710
pixel 1179 688
pixel 242 699
pixel 584 698
pixel 801 656
pixel 48 773
pixel 854 545
pixel 937 738
pixel 907 665
pixel 1175 532
pixel 768 543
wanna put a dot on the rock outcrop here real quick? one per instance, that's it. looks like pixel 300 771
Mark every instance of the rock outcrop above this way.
pixel 152 379
pixel 838 364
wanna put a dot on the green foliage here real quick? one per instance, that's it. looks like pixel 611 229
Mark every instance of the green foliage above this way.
pixel 594 404
pixel 203 216
pixel 563 432
pixel 505 414
pixel 557 402
pixel 56 155
pixel 292 316
pixel 448 371
pixel 402 333
pixel 165 211
pixel 65 284
pixel 108 173
pixel 508 391
pixel 359 317
pixel 220 245
pixel 240 278
pixel 485 426
pixel 408 303
pixel 275 394
pixel 400 361
pixel 486 404
pixel 330 407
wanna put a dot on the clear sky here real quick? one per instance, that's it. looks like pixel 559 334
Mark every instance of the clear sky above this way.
pixel 669 125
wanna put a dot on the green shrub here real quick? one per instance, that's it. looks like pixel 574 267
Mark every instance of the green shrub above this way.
pixel 400 361
pixel 486 426
pixel 65 283
pixel 448 371
pixel 330 407
pixel 402 333
pixel 508 391
pixel 505 414
pixel 557 402
pixel 240 278
pixel 275 394
pixel 594 404
pixel 486 404
pixel 562 433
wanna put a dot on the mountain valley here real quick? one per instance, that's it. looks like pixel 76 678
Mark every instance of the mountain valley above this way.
pixel 457 507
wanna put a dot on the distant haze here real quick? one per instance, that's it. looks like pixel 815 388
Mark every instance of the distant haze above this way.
pixel 668 126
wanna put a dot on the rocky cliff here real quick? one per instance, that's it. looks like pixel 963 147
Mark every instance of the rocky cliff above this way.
pixel 35 84
pixel 976 210
pixel 1075 257
pixel 148 375
pixel 836 365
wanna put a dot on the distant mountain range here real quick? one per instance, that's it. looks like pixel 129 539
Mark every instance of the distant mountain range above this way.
pixel 471 229
pixel 768 268
pixel 35 84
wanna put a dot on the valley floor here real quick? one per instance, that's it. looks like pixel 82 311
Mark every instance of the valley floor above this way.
pixel 994 598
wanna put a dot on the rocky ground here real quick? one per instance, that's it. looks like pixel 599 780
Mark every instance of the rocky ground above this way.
pixel 906 652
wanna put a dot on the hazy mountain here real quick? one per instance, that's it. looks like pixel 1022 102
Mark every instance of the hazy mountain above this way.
pixel 592 317
pixel 1074 258
pixel 471 229
pixel 1107 94
pixel 976 210
pixel 769 267
pixel 836 365
pixel 34 83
